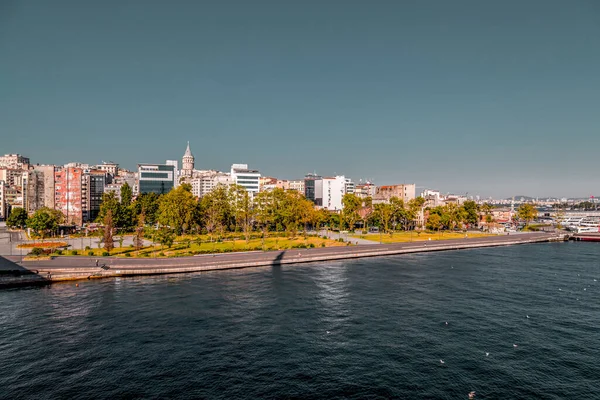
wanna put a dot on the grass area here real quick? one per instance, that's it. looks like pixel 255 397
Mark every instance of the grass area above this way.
pixel 42 245
pixel 401 237
pixel 37 258
pixel 180 247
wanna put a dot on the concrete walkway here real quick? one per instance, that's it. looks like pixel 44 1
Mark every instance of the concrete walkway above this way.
pixel 346 236
pixel 73 268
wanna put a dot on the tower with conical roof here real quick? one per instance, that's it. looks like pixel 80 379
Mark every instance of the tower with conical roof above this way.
pixel 187 168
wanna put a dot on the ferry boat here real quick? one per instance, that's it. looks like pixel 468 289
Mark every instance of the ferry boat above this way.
pixel 588 229
pixel 588 224
pixel 571 223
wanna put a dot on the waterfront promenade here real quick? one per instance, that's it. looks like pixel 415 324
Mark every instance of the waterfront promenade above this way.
pixel 15 271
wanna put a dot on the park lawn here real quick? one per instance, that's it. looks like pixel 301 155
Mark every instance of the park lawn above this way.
pixel 402 237
pixel 180 249
pixel 41 245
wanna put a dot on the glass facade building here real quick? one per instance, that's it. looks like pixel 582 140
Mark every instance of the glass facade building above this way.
pixel 156 178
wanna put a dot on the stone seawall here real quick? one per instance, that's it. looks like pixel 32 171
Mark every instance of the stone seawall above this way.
pixel 15 273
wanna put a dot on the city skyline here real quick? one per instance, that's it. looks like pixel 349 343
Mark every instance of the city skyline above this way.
pixel 181 169
pixel 489 99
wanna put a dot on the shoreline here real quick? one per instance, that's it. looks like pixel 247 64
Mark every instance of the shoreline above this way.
pixel 59 269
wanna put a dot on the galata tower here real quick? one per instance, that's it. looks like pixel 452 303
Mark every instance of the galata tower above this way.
pixel 187 167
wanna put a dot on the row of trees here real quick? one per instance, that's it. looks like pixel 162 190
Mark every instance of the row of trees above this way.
pixel 232 209
pixel 44 221
pixel 453 216
pixel 226 208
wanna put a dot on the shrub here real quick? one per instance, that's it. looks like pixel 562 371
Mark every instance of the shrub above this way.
pixel 36 251
pixel 323 244
pixel 73 252
pixel 87 248
pixel 161 254
pixel 58 252
pixel 131 245
pixel 340 240
pixel 311 245
pixel 90 253
pixel 127 254
pixel 105 254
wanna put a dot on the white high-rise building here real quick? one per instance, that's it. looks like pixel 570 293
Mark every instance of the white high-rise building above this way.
pixel 248 178
pixel 204 182
pixel 334 189
pixel 175 165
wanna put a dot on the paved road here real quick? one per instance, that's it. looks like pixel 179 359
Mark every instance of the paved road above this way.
pixel 271 257
pixel 346 236
pixel 9 241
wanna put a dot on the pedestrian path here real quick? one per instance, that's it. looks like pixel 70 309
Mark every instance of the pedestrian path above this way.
pixel 346 236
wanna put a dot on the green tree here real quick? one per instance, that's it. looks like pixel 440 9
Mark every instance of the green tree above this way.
pixel 384 213
pixel 291 210
pixel 487 208
pixel 44 221
pixel 263 212
pixel 216 210
pixel 17 218
pixel 471 212
pixel 400 215
pixel 176 209
pixel 415 207
pixel 148 202
pixel 110 202
pixel 243 209
pixel 126 195
pixel 108 231
pixel 319 217
pixel 527 212
pixel 165 237
pixel 453 215
pixel 434 222
pixel 138 239
pixel 351 205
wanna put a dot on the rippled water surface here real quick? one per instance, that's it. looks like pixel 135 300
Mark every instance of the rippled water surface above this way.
pixel 370 328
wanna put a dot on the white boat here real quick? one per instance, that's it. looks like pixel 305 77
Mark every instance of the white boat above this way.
pixel 571 223
pixel 574 223
pixel 588 229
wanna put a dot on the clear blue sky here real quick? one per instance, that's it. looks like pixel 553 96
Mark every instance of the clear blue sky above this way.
pixel 487 97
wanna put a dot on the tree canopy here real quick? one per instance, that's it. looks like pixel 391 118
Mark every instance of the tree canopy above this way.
pixel 177 209
pixel 527 212
pixel 45 221
pixel 17 218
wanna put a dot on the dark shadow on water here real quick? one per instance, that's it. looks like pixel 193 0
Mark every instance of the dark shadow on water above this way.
pixel 13 275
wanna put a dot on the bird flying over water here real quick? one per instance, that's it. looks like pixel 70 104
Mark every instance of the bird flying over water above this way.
pixel 514 345
pixel 442 362
pixel 487 354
